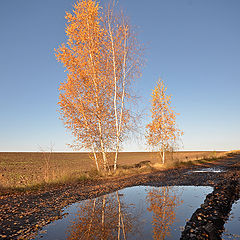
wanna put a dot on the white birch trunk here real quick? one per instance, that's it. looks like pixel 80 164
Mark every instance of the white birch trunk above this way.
pixel 162 155
pixel 86 123
pixel 115 91
pixel 97 104
pixel 118 119
pixel 95 157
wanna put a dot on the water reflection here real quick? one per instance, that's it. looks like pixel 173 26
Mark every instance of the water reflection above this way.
pixel 163 202
pixel 106 217
pixel 133 213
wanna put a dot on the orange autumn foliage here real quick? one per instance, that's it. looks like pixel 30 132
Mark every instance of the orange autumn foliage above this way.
pixel 106 217
pixel 101 59
pixel 163 203
pixel 162 131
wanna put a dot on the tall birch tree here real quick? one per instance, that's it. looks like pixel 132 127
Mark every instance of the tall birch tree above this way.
pixel 162 131
pixel 102 58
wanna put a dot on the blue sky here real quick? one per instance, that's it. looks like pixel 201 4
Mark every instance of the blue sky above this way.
pixel 192 45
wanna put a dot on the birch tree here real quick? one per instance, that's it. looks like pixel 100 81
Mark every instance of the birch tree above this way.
pixel 102 58
pixel 125 56
pixel 162 131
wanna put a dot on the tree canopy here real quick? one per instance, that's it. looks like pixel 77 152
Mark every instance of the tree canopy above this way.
pixel 102 58
pixel 162 131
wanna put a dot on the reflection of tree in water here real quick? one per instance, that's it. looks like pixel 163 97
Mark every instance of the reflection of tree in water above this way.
pixel 103 218
pixel 163 202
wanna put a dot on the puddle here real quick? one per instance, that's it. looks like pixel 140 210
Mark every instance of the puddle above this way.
pixel 207 170
pixel 233 223
pixel 132 213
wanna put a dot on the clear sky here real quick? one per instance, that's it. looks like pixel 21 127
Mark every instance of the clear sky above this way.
pixel 193 45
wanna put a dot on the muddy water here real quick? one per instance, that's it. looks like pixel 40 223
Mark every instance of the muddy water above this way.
pixel 232 226
pixel 132 213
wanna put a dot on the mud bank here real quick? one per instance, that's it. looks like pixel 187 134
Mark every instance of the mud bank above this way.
pixel 207 222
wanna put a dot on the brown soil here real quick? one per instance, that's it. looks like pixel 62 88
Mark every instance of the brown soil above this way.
pixel 22 214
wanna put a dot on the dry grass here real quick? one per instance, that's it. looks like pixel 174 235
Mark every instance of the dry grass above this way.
pixel 23 170
pixel 27 169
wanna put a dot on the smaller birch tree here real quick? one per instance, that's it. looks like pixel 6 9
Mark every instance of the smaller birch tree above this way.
pixel 162 131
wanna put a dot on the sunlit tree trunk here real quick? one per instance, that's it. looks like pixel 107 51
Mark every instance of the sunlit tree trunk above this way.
pixel 118 31
pixel 98 108
pixel 87 126
pixel 116 90
pixel 95 158
pixel 122 102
